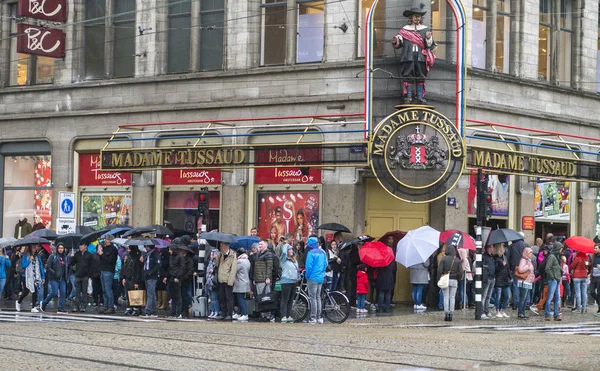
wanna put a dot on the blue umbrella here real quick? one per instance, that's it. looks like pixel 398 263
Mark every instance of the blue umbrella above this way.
pixel 116 231
pixel 245 242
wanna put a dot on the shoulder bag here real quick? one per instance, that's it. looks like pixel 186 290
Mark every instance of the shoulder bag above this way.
pixel 444 280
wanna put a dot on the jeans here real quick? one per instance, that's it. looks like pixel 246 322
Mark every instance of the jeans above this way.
pixel 151 306
pixel 461 293
pixel 581 292
pixel 97 290
pixel 567 293
pixel 57 288
pixel 595 291
pixel 81 284
pixel 450 296
pixel 503 294
pixel 523 298
pixel 116 289
pixel 175 288
pixel 72 281
pixel 553 294
pixel 106 279
pixel 214 301
pixel 417 293
pixel 186 295
pixel 360 301
pixel 287 298
pixel 384 300
pixel 226 298
pixel 314 296
pixel 441 299
pixel 2 283
pixel 486 294
pixel 515 292
pixel 241 299
pixel 335 281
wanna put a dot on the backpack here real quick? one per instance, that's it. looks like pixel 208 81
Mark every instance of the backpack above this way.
pixel 277 271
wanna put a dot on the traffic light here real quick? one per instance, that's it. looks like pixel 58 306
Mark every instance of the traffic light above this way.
pixel 202 203
pixel 484 200
pixel 487 205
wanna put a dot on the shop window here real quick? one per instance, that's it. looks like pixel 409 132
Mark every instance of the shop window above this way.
pixel 178 44
pixel 27 193
pixel 310 34
pixel 503 36
pixel 180 209
pixel 94 32
pixel 101 209
pixel 27 69
pixel 212 27
pixel 378 28
pixel 440 23
pixel 124 38
pixel 478 32
pixel 273 37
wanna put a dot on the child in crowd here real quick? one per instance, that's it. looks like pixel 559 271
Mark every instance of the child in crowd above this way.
pixel 566 280
pixel 212 286
pixel 362 288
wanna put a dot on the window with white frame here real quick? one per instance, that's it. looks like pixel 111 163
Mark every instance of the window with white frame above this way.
pixel 558 69
pixel 311 31
pixel 478 32
pixel 502 36
pixel 441 16
pixel 379 40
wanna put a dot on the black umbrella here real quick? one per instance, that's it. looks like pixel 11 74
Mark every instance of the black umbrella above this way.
pixel 71 240
pixel 139 230
pixel 91 237
pixel 159 229
pixel 503 235
pixel 113 226
pixel 364 238
pixel 596 239
pixel 83 229
pixel 219 237
pixel 142 242
pixel 48 234
pixel 175 246
pixel 30 241
pixel 334 227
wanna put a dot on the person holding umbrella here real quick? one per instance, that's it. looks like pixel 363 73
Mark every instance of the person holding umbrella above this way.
pixel 450 265
pixel 419 278
pixel 131 275
pixel 152 267
pixel 554 276
pixel 581 267
pixel 82 261
pixel 34 277
pixel 175 276
pixel 57 273
pixel 226 271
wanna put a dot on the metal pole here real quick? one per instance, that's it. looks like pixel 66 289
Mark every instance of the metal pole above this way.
pixel 478 243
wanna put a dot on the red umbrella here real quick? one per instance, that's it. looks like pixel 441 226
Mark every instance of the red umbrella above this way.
pixel 466 240
pixel 376 254
pixel 396 234
pixel 580 244
pixel 47 248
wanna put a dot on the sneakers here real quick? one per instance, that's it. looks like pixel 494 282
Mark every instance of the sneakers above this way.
pixel 484 316
pixel 597 314
pixel 415 307
pixel 211 315
pixel 17 306
pixel 320 321
pixel 35 310
pixel 236 316
pixel 312 322
pixel 243 318
pixel 42 307
pixel 109 311
pixel 522 316
pixel 499 315
pixel 421 307
pixel 534 310
pixel 505 315
pixel 218 316
pixel 61 311
pixel 547 318
pixel 557 318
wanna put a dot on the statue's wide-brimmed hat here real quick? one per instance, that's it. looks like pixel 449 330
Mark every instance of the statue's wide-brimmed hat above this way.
pixel 417 11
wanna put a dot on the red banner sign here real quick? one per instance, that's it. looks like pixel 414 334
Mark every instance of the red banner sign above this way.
pixel 191 176
pixel 296 174
pixel 528 223
pixel 40 41
pixel 91 175
pixel 50 10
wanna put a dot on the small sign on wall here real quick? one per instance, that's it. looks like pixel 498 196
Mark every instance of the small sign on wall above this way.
pixel 527 223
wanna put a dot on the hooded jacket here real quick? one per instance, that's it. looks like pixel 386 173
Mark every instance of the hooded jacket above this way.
pixel 263 267
pixel 289 269
pixel 4 264
pixel 552 267
pixel 419 273
pixel 108 259
pixel 450 263
pixel 152 264
pixel 242 275
pixel 176 266
pixel 503 272
pixel 362 282
pixel 490 263
pixel 385 278
pixel 526 265
pixel 316 261
pixel 515 253
pixel 133 268
pixel 57 267
pixel 580 266
pixel 83 264
pixel 227 266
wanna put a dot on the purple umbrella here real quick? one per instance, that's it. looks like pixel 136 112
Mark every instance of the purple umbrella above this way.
pixel 160 243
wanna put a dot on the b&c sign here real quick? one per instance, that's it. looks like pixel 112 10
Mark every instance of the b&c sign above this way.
pixel 40 41
pixel 49 10
pixel 90 174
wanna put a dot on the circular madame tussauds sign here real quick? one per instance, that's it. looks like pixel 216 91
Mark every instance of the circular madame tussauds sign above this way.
pixel 417 154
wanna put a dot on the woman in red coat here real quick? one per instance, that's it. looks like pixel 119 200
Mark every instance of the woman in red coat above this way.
pixel 580 266
pixel 362 288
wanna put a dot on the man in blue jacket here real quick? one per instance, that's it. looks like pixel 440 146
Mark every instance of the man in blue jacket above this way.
pixel 316 263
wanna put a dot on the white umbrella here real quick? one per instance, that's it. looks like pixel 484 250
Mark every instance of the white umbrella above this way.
pixel 417 246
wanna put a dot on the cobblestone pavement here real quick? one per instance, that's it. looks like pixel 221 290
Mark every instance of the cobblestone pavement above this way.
pixel 401 341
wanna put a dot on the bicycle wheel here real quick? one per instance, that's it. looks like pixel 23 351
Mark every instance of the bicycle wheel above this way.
pixel 300 308
pixel 336 307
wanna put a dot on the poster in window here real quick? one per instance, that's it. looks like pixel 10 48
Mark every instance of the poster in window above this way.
pixel 100 210
pixel 281 212
pixel 552 201
pixel 43 197
pixel 310 37
pixel 498 187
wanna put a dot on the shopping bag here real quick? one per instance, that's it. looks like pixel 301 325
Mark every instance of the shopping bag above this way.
pixel 137 298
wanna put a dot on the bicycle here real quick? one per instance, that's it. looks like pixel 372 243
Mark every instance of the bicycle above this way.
pixel 336 306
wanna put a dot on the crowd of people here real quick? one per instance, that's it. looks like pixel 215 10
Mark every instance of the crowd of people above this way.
pixel 546 277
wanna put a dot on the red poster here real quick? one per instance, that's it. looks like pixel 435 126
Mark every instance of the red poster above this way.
pixel 301 173
pixel 91 175
pixel 36 40
pixel 49 10
pixel 296 212
pixel 43 198
pixel 193 176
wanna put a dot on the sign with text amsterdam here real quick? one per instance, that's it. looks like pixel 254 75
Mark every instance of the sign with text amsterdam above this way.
pixel 49 10
pixel 90 173
pixel 417 154
pixel 287 166
pixel 40 41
